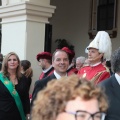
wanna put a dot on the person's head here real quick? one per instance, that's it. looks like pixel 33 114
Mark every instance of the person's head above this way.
pixel 73 63
pixel 44 59
pixel 94 56
pixel 69 98
pixel 79 62
pixel 100 48
pixel 11 62
pixel 26 68
pixel 108 64
pixel 1 57
pixel 60 62
pixel 70 53
pixel 115 61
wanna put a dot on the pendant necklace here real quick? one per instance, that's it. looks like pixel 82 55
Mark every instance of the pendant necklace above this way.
pixel 14 90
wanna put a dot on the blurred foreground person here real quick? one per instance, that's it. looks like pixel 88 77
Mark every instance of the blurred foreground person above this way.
pixel 112 88
pixel 70 98
pixel 14 96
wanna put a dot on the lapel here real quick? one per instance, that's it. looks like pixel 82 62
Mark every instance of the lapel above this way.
pixel 49 78
pixel 52 76
pixel 115 87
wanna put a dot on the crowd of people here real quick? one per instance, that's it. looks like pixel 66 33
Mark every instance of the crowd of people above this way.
pixel 68 88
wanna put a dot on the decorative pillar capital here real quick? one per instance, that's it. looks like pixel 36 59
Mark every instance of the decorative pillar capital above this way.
pixel 9 2
pixel 27 10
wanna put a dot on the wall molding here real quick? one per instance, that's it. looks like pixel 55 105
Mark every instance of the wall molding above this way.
pixel 26 11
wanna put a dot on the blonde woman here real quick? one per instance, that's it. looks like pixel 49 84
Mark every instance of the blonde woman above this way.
pixel 14 96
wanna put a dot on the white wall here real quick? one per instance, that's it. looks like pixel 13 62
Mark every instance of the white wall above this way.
pixel 71 21
pixel 35 44
pixel 26 44
pixel 23 30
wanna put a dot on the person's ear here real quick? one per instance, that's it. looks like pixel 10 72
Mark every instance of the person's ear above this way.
pixel 101 55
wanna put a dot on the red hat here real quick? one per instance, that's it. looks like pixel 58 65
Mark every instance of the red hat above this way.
pixel 44 55
pixel 70 52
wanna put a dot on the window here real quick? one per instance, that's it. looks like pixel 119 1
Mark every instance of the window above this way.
pixel 103 17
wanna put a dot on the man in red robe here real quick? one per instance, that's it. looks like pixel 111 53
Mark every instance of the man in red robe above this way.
pixel 45 61
pixel 99 49
pixel 71 69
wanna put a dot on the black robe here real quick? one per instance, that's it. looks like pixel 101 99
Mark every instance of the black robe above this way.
pixel 8 108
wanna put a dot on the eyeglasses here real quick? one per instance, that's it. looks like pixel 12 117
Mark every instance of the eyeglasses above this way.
pixel 84 115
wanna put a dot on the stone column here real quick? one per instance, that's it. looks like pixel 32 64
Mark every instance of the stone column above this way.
pixel 23 28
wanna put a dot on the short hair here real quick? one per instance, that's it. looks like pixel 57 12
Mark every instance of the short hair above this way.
pixel 1 57
pixel 52 100
pixel 81 59
pixel 5 65
pixel 108 64
pixel 115 61
pixel 58 50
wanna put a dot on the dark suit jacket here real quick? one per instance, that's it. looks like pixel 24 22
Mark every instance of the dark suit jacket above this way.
pixel 40 84
pixel 112 89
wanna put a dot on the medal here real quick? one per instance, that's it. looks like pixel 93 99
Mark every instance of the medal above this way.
pixel 6 82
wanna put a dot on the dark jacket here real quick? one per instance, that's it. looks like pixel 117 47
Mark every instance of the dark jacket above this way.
pixel 8 108
pixel 40 84
pixel 112 89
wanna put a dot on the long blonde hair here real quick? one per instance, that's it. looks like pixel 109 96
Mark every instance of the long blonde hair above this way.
pixel 5 65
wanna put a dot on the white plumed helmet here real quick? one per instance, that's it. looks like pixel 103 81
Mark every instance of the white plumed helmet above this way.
pixel 102 42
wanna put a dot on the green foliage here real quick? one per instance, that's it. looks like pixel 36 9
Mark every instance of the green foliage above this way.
pixel 63 43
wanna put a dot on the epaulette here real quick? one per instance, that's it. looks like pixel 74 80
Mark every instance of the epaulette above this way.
pixel 107 69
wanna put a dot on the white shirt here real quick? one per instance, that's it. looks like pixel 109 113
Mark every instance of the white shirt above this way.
pixel 95 64
pixel 117 78
pixel 57 75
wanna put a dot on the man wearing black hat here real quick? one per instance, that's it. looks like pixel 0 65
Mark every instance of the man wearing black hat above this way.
pixel 45 61
pixel 60 62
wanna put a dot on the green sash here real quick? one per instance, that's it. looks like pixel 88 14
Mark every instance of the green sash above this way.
pixel 14 94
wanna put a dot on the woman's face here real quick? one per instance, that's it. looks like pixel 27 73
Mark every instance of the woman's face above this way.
pixel 12 62
pixel 90 106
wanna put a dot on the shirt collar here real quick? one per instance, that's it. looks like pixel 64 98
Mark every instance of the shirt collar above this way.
pixel 117 78
pixel 57 75
pixel 95 64
pixel 44 71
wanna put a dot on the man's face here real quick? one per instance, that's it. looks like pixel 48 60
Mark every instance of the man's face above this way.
pixel 42 63
pixel 94 56
pixel 60 62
